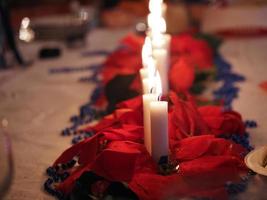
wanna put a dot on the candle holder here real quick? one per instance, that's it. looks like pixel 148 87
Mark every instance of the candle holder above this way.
pixel 166 166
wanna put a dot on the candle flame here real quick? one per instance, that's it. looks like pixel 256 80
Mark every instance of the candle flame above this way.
pixel 26 34
pixel 25 22
pixel 155 6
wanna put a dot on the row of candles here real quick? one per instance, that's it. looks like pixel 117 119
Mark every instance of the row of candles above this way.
pixel 154 75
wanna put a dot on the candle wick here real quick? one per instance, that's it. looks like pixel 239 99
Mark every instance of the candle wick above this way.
pixel 152 90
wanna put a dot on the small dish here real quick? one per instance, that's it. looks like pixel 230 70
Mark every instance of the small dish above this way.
pixel 256 160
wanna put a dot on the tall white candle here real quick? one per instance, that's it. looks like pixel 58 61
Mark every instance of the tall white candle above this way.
pixel 161 41
pixel 162 64
pixel 146 85
pixel 143 73
pixel 146 52
pixel 159 129
pixel 147 98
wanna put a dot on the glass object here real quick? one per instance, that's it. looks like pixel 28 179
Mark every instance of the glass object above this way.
pixel 6 161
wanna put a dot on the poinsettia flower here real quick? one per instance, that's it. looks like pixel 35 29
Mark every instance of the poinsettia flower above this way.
pixel 137 84
pixel 184 119
pixel 222 122
pixel 201 178
pixel 134 103
pixel 206 145
pixel 199 51
pixel 125 133
pixel 133 41
pixel 205 164
pixel 122 159
pixel 116 162
pixel 182 75
pixel 121 62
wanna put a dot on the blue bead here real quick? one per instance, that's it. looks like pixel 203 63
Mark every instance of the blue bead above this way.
pixel 65 132
pixel 74 119
pixel 50 171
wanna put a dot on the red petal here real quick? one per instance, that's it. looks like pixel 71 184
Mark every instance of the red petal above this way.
pixel 117 162
pixel 182 75
pixel 89 145
pixel 207 145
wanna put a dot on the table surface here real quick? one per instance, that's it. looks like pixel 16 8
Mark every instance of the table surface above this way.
pixel 38 105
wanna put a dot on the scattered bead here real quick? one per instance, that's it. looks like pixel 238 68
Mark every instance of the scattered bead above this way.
pixel 251 124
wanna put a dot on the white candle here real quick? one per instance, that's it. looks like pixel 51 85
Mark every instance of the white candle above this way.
pixel 163 10
pixel 159 129
pixel 162 63
pixel 161 41
pixel 143 73
pixel 147 98
pixel 146 85
pixel 156 23
pixel 146 52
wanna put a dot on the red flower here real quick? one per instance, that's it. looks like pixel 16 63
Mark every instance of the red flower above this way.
pixel 122 61
pixel 222 122
pixel 184 119
pixel 206 145
pixel 134 42
pixel 197 50
pixel 205 164
pixel 134 103
pixel 182 75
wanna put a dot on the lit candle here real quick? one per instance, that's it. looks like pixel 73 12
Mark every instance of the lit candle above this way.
pixel 146 52
pixel 156 23
pixel 155 6
pixel 162 64
pixel 147 98
pixel 145 84
pixel 143 73
pixel 161 41
pixel 159 129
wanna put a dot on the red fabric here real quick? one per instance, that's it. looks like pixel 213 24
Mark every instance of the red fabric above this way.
pixel 127 132
pixel 80 149
pixel 123 115
pixel 184 119
pixel 205 164
pixel 134 103
pixel 206 145
pixel 117 161
pixel 220 122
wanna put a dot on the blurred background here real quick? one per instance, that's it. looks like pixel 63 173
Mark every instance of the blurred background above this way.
pixel 70 20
